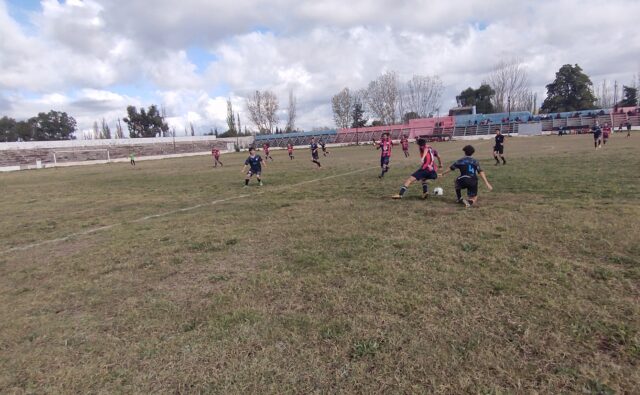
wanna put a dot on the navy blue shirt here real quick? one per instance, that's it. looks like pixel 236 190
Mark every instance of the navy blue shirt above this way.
pixel 255 163
pixel 468 167
pixel 314 148
pixel 499 140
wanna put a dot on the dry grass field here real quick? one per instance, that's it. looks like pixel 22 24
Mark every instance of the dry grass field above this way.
pixel 172 278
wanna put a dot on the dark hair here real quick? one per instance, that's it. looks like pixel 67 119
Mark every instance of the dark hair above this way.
pixel 498 130
pixel 469 150
pixel 252 148
pixel 422 142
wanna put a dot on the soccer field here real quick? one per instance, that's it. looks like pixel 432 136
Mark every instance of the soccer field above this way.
pixel 171 277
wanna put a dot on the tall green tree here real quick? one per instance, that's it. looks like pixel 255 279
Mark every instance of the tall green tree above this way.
pixel 630 96
pixel 54 125
pixel 570 91
pixel 231 119
pixel 149 123
pixel 481 98
pixel 357 116
pixel 8 129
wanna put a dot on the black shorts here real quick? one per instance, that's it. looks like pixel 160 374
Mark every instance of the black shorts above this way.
pixel 468 183
pixel 499 149
pixel 596 136
pixel 314 156
pixel 384 160
pixel 255 172
pixel 424 174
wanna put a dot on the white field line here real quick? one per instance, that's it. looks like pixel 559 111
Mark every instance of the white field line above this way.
pixel 180 210
pixel 167 213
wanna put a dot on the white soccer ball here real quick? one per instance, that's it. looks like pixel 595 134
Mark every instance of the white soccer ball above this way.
pixel 438 191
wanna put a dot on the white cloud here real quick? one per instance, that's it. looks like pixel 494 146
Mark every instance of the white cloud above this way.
pixel 79 54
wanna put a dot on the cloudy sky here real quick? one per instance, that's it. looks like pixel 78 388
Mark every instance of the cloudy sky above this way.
pixel 92 58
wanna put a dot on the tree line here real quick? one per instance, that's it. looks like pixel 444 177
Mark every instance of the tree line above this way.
pixel 54 125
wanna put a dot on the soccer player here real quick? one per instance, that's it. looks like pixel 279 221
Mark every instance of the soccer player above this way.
pixel 132 159
pixel 427 171
pixel 404 142
pixel 597 134
pixel 314 152
pixel 468 178
pixel 384 146
pixel 290 150
pixel 255 163
pixel 324 148
pixel 498 148
pixel 606 131
pixel 216 157
pixel 265 147
pixel 628 129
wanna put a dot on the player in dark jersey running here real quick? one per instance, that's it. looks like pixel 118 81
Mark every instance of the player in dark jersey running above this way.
pixel 290 150
pixel 216 157
pixel 597 135
pixel 498 148
pixel 255 163
pixel 265 148
pixel 468 178
pixel 324 148
pixel 314 152
pixel 427 171
pixel 384 146
pixel 404 142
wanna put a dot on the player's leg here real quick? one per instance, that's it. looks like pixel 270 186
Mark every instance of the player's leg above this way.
pixel 495 155
pixel 404 187
pixel 504 161
pixel 259 178
pixel 432 175
pixel 247 178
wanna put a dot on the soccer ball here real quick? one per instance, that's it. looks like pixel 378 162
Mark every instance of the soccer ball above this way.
pixel 438 191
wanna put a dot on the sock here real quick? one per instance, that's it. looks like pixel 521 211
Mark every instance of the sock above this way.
pixel 259 180
pixel 425 188
pixel 458 194
pixel 496 158
pixel 504 161
pixel 246 181
pixel 403 190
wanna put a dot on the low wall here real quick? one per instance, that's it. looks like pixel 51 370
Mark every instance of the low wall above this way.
pixel 20 155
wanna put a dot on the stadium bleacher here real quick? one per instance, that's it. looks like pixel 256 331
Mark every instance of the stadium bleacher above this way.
pixel 299 138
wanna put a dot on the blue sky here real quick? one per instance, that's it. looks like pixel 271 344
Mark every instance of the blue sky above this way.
pixel 92 58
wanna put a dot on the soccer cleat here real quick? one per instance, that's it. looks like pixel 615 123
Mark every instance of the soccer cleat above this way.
pixel 260 184
pixel 396 196
pixel 425 195
pixel 466 203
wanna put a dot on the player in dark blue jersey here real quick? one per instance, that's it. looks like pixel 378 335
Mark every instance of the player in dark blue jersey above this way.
pixel 468 179
pixel 314 152
pixel 597 135
pixel 323 145
pixel 255 164
pixel 498 148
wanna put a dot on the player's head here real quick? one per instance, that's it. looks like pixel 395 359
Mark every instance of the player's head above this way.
pixel 313 139
pixel 498 131
pixel 421 142
pixel 468 150
pixel 252 150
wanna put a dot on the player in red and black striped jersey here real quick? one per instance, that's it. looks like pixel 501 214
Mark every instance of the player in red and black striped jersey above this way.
pixel 428 170
pixel 265 148
pixel 384 146
pixel 216 157
pixel 290 150
pixel 404 142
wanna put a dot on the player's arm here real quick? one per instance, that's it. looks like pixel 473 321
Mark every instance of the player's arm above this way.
pixel 486 182
pixel 439 160
pixel 449 170
pixel 244 168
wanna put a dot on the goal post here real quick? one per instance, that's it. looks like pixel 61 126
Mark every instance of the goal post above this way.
pixel 81 155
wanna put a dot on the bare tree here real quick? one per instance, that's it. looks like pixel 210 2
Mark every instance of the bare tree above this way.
pixel 341 104
pixel 604 97
pixel 424 94
pixel 510 81
pixel 96 131
pixel 263 110
pixel 193 131
pixel 382 97
pixel 106 131
pixel 291 112
pixel 119 131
